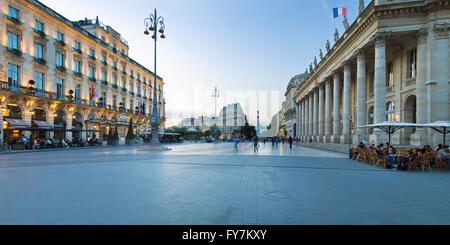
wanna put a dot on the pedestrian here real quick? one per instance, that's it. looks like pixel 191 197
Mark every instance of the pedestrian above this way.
pixel 282 140
pixel 277 141
pixel 273 142
pixel 236 142
pixel 255 146
pixel 290 142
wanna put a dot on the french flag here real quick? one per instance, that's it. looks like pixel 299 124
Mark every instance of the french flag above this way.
pixel 339 12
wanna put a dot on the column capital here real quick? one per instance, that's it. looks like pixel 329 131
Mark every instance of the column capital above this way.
pixel 421 36
pixel 441 30
pixel 379 38
pixel 361 53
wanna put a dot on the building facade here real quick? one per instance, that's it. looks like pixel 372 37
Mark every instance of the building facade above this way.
pixel 391 64
pixel 201 123
pixel 62 78
pixel 231 119
pixel 290 114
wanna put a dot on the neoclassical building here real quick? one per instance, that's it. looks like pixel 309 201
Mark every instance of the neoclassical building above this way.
pixel 391 64
pixel 290 113
pixel 61 78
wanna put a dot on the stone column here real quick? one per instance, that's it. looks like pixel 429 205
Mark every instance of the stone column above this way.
pixel 69 126
pixel 315 114
pixel 327 135
pixel 300 119
pixel 310 111
pixel 27 117
pixel 346 135
pixel 442 63
pixel 420 137
pixel 361 98
pixel 321 119
pixel 306 117
pixel 303 118
pixel 335 138
pixel 379 88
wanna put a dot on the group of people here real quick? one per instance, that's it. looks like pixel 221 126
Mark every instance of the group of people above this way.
pixel 400 161
pixel 40 142
pixel 276 141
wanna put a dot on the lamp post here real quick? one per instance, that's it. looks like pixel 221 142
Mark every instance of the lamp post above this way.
pixel 151 24
pixel 215 96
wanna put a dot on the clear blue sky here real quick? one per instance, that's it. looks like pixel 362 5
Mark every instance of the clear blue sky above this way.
pixel 237 45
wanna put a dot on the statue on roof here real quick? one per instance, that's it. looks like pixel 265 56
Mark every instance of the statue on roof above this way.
pixel 336 35
pixel 310 68
pixel 327 46
pixel 315 62
pixel 361 6
pixel 345 22
pixel 321 54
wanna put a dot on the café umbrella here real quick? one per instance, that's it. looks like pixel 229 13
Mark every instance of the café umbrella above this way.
pixel 389 127
pixel 439 126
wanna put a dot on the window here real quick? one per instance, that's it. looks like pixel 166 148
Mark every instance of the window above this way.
pixel 139 89
pixel 39 79
pixel 390 75
pixel 103 76
pixel 412 63
pixel 77 66
pixel 13 41
pixel 103 39
pixel 38 51
pixel 114 80
pixel 131 105
pixel 145 92
pixel 124 83
pixel 104 98
pixel 131 73
pixel 59 60
pixel 131 87
pixel 77 46
pixel 60 37
pixel 13 76
pixel 13 13
pixel 123 102
pixel 91 72
pixel 91 53
pixel 77 92
pixel 115 64
pixel 104 59
pixel 38 26
pixel 60 88
pixel 114 101
pixel 390 110
pixel 371 82
pixel 139 76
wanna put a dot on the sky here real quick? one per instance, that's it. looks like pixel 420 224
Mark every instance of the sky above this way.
pixel 249 49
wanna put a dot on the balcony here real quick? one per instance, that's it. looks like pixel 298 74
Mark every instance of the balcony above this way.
pixel 124 73
pixel 105 63
pixel 15 52
pixel 105 83
pixel 92 57
pixel 145 97
pixel 61 43
pixel 40 33
pixel 15 20
pixel 123 89
pixel 131 76
pixel 77 74
pixel 61 68
pixel 40 61
pixel 78 51
pixel 92 79
pixel 114 68
pixel 6 86
pixel 115 86
pixel 131 93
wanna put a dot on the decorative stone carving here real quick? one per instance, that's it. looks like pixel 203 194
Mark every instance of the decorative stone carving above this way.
pixel 336 35
pixel 380 38
pixel 441 30
pixel 345 22
pixel 321 54
pixel 315 62
pixel 327 46
pixel 421 36
pixel 361 6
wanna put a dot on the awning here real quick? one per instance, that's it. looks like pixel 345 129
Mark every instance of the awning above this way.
pixel 17 123
pixel 42 124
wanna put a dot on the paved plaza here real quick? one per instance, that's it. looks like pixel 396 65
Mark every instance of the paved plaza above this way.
pixel 213 184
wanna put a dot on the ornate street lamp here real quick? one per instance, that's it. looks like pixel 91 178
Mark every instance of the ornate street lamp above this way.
pixel 151 24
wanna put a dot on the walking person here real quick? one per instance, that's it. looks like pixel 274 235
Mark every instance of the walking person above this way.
pixel 290 142
pixel 236 142
pixel 273 142
pixel 277 141
pixel 255 146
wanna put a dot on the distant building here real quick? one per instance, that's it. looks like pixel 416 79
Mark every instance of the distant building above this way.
pixel 231 119
pixel 201 122
pixel 290 113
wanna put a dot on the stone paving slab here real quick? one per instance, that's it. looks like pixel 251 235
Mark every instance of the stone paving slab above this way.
pixel 128 186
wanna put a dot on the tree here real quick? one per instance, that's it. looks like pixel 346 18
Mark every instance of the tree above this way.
pixel 130 134
pixel 248 131
pixel 269 127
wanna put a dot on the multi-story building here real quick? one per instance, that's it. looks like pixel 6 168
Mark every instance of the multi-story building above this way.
pixel 275 125
pixel 63 79
pixel 290 114
pixel 391 64
pixel 231 120
pixel 201 123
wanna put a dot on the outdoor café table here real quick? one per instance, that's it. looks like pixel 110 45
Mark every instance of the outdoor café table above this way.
pixel 396 158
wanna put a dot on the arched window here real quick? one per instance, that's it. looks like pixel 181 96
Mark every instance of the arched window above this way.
pixel 38 115
pixel 390 111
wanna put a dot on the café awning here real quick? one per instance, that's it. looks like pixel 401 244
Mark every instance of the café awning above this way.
pixel 42 124
pixel 389 127
pixel 17 123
